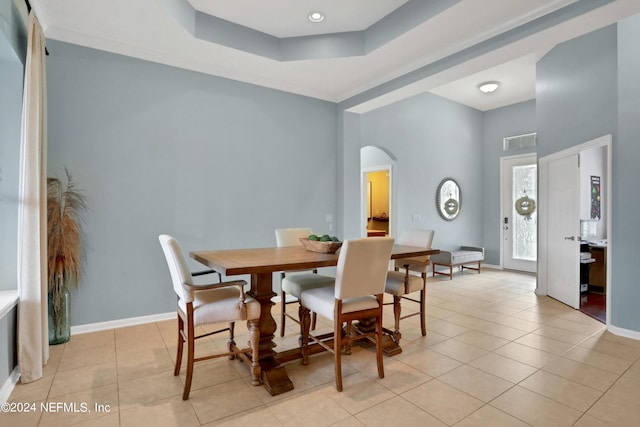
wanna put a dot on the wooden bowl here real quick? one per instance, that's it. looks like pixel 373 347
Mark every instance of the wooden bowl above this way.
pixel 321 247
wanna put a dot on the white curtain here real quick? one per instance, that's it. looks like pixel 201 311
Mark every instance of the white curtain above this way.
pixel 33 335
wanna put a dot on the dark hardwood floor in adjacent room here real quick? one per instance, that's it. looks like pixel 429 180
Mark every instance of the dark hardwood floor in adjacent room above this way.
pixel 594 305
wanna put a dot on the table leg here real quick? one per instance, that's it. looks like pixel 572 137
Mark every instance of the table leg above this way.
pixel 274 376
pixel 389 346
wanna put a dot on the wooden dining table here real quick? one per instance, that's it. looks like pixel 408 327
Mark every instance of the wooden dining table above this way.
pixel 260 264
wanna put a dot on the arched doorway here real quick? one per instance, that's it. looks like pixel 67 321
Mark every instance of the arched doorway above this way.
pixel 377 210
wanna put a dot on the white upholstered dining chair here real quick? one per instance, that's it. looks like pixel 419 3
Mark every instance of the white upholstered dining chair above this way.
pixel 358 294
pixel 403 280
pixel 293 283
pixel 198 305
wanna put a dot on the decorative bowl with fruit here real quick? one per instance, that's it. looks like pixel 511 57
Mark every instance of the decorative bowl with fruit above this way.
pixel 324 244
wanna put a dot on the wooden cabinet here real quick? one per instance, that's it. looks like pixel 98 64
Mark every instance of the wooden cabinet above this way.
pixel 598 269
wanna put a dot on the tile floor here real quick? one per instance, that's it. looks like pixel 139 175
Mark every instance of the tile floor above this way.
pixel 495 355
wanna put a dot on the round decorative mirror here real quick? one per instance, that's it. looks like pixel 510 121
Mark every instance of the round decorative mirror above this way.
pixel 448 199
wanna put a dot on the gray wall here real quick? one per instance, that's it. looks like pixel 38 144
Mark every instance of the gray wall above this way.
pixel 430 138
pixel 12 44
pixel 589 87
pixel 216 163
pixel 576 92
pixel 517 119
pixel 626 179
pixel 12 48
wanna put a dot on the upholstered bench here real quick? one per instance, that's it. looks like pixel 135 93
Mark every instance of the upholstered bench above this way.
pixel 466 255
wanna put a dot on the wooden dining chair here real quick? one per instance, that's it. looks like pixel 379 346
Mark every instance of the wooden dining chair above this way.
pixel 358 294
pixel 293 283
pixel 223 302
pixel 403 280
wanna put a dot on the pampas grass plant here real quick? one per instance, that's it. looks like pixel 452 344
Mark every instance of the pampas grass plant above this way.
pixel 65 206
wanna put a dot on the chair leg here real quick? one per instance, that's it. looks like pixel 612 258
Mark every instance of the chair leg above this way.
pixel 176 370
pixel 396 316
pixel 254 337
pixel 423 322
pixel 283 312
pixel 349 331
pixel 379 344
pixel 305 321
pixel 337 351
pixel 231 343
pixel 314 318
pixel 190 356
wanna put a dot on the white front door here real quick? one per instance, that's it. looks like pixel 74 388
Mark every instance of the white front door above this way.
pixel 519 213
pixel 563 234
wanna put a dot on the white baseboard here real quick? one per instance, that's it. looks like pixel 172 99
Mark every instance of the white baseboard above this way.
pixel 494 267
pixel 627 333
pixel 9 385
pixel 121 323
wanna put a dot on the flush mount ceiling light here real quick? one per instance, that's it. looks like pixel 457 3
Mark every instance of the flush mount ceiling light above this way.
pixel 488 87
pixel 315 16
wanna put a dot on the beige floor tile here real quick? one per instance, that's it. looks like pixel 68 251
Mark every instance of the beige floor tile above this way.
pixel 525 354
pixel 611 347
pixel 359 393
pixel 567 392
pixel 490 416
pixel 143 390
pixel 319 410
pixel 476 383
pixel 91 340
pixel 633 373
pixel 535 409
pixel 615 412
pixel 427 361
pixel 481 340
pixel 33 391
pixel 81 406
pixel 444 402
pixel 446 328
pixel 503 367
pixel 458 350
pixel 563 335
pixel 109 420
pixel 597 359
pixel 589 421
pixel 223 400
pixel 261 417
pixel 430 339
pixel 399 412
pixel 398 376
pixel 580 327
pixel 593 377
pixel 23 418
pixel 501 331
pixel 545 344
pixel 467 358
pixel 88 357
pixel 625 389
pixel 88 377
pixel 169 412
pixel 142 363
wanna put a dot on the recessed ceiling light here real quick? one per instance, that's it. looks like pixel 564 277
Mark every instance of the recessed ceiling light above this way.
pixel 488 87
pixel 315 16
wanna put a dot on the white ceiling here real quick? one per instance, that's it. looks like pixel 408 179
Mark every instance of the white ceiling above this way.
pixel 426 56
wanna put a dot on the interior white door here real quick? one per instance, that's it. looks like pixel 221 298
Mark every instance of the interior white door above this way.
pixel 563 265
pixel 519 213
